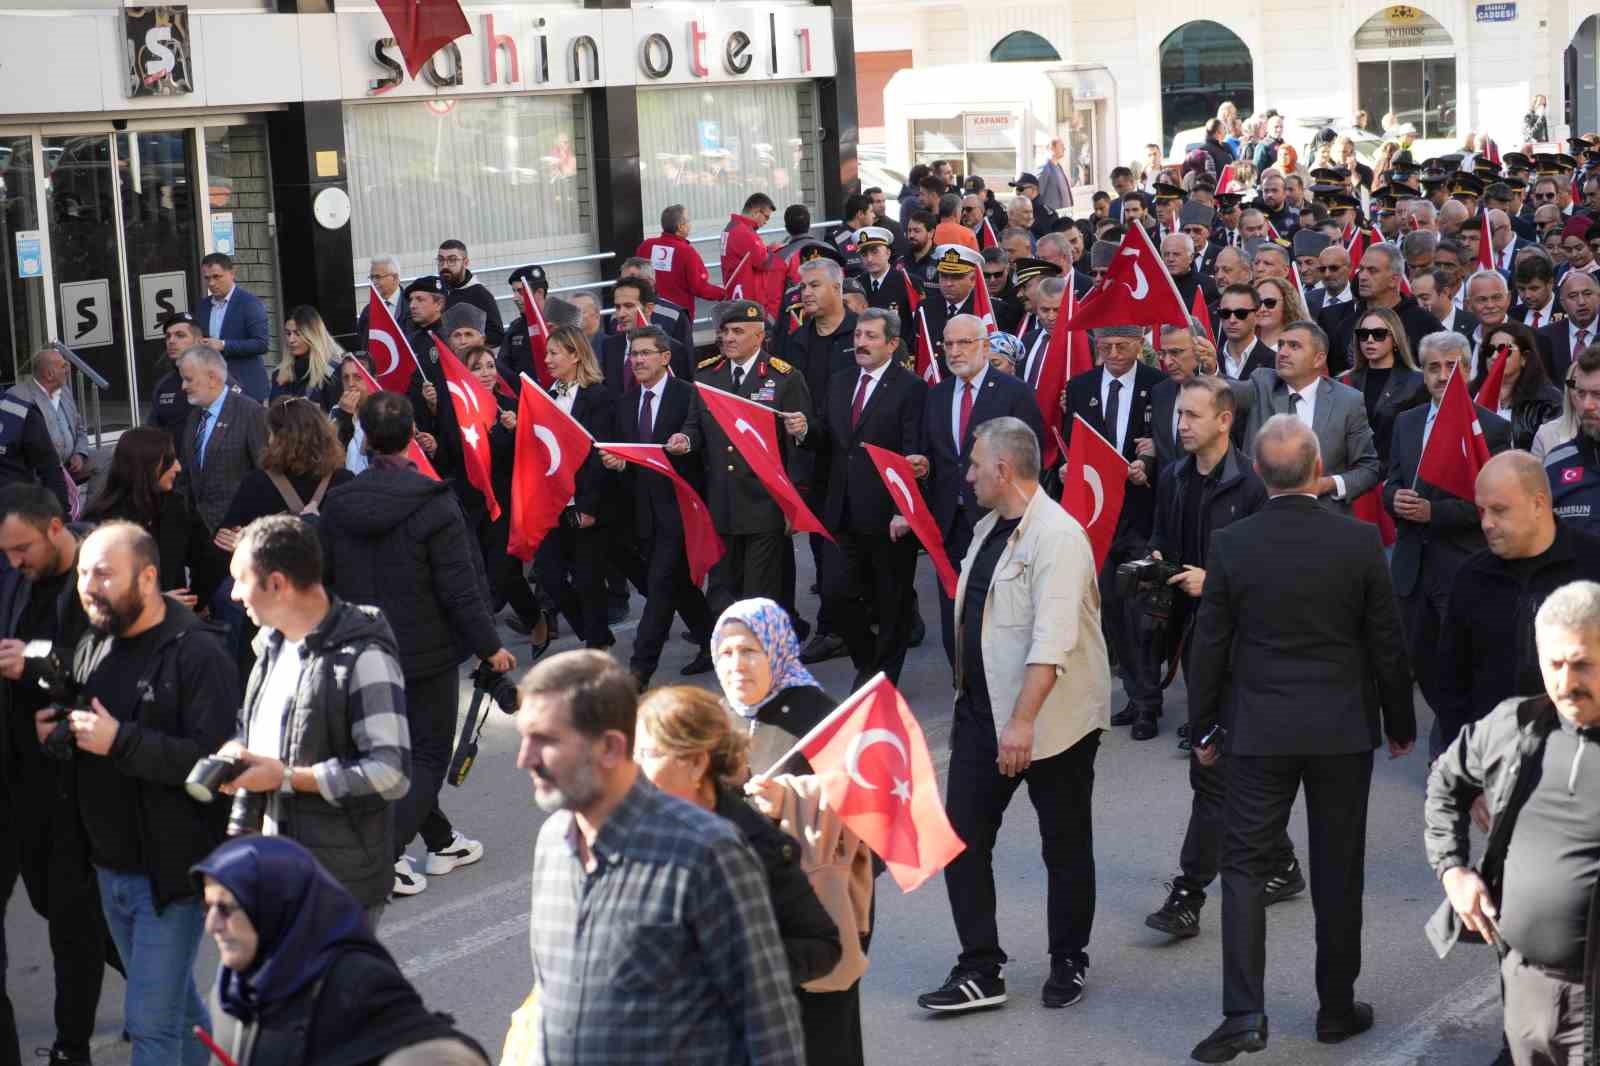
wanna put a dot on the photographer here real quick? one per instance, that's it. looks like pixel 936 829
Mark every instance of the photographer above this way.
pixel 44 839
pixel 323 728
pixel 158 692
pixel 1212 486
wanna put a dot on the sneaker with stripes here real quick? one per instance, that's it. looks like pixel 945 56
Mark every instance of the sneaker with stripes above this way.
pixel 1179 916
pixel 965 990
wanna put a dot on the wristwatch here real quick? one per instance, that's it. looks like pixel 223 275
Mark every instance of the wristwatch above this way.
pixel 287 786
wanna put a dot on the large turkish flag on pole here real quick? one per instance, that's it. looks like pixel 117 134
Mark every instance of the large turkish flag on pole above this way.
pixel 752 428
pixel 1455 450
pixel 1136 291
pixel 422 27
pixel 902 485
pixel 878 776
pixel 551 446
pixel 700 541
pixel 476 413
pixel 414 450
pixel 393 361
pixel 1096 482
pixel 1066 355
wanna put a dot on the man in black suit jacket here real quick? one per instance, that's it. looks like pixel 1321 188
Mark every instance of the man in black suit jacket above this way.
pixel 941 459
pixel 1181 360
pixel 881 404
pixel 1565 338
pixel 1435 532
pixel 960 270
pixel 1240 354
pixel 1302 658
pixel 631 298
pixel 1114 399
pixel 663 410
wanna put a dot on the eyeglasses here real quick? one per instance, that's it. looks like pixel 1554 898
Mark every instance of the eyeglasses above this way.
pixel 1504 349
pixel 648 351
pixel 1544 197
pixel 1379 334
pixel 1241 313
pixel 1269 302
pixel 995 275
pixel 224 910
pixel 962 342
pixel 380 277
pixel 449 260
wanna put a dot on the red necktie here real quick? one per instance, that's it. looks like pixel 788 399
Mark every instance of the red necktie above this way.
pixel 1536 315
pixel 860 401
pixel 1583 340
pixel 966 412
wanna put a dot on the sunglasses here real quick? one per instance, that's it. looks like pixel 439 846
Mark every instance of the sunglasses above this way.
pixel 1269 302
pixel 1504 349
pixel 224 910
pixel 1241 313
pixel 995 275
pixel 1544 197
pixel 1380 334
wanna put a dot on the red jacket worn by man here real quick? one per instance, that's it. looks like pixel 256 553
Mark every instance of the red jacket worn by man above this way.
pixel 760 278
pixel 681 274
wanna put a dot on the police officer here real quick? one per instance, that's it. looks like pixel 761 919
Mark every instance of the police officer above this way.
pixel 745 515
pixel 516 351
pixel 26 453
pixel 169 407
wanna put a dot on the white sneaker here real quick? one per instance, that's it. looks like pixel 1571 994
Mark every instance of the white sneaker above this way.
pixel 407 882
pixel 461 851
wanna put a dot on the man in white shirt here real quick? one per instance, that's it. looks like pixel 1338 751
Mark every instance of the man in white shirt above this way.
pixel 1488 298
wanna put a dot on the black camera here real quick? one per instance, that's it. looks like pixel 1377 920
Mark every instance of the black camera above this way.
pixel 1143 583
pixel 210 774
pixel 497 686
pixel 43 666
pixel 487 683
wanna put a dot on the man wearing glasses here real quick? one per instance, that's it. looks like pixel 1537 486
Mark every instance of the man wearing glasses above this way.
pixel 384 276
pixel 454 268
pixel 1242 354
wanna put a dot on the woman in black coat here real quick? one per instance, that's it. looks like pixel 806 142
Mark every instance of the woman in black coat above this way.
pixel 310 365
pixel 570 564
pixel 303 980
pixel 1386 374
pixel 1526 397
pixel 138 489
pixel 764 684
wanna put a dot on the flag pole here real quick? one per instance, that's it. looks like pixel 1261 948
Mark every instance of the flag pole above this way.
pixel 822 726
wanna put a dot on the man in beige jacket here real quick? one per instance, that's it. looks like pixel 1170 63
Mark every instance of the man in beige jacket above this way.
pixel 1032 694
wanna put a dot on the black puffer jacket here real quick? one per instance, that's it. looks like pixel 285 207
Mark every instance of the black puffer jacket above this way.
pixel 397 540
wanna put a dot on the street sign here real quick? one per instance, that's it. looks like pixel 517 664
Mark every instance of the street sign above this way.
pixel 159 296
pixel 1499 12
pixel 86 313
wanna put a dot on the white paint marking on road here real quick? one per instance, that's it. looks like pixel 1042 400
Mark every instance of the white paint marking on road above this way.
pixel 1462 1009
pixel 507 892
pixel 465 947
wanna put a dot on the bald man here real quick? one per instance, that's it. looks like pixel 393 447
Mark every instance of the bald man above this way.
pixel 49 389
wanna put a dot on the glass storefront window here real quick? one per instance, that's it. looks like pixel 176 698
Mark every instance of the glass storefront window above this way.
pixel 1203 64
pixel 709 148
pixel 1421 92
pixel 22 297
pixel 162 248
pixel 509 176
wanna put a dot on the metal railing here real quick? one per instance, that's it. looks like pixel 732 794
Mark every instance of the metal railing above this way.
pixel 96 381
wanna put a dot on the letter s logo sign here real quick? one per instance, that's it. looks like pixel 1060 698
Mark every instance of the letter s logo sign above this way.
pixel 163 61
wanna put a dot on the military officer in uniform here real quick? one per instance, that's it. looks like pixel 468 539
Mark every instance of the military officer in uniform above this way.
pixel 753 529
pixel 884 286
pixel 516 351
pixel 959 270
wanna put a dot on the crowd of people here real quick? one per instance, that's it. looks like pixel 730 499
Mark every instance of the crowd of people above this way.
pixel 268 592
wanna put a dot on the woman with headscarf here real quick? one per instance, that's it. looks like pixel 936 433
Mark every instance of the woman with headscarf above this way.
pixel 302 980
pixel 757 657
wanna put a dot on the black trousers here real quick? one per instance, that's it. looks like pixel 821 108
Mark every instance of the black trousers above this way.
pixel 831 1022
pixel 1143 689
pixel 955 546
pixel 432 704
pixel 1061 789
pixel 755 564
pixel 1260 791
pixel 571 569
pixel 868 578
pixel 661 570
pixel 1421 615
pixel 1202 840
pixel 507 581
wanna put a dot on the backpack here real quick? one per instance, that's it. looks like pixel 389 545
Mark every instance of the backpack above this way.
pixel 302 509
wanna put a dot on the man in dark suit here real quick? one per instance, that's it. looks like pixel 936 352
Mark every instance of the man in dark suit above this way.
pixel 873 561
pixel 1305 663
pixel 221 442
pixel 1240 354
pixel 664 410
pixel 955 408
pixel 1048 296
pixel 1180 357
pixel 1114 399
pixel 633 300
pixel 884 286
pixel 959 270
pixel 675 319
pixel 235 324
pixel 1435 532
pixel 1566 338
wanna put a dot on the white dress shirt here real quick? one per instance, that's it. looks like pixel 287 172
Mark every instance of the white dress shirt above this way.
pixel 745 367
pixel 219 311
pixel 873 377
pixel 1306 411
pixel 1124 402
pixel 1235 366
pixel 1544 314
pixel 955 403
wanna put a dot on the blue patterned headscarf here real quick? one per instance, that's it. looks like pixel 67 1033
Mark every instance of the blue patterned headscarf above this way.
pixel 770 624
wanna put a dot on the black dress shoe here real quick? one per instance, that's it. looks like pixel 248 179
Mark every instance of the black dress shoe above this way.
pixel 1245 1034
pixel 1335 1028
pixel 700 664
pixel 1125 716
pixel 822 647
pixel 1144 726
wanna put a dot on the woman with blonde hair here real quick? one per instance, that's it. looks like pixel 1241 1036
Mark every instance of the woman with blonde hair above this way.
pixel 310 364
pixel 1563 427
pixel 1280 305
pixel 819 874
pixel 1383 162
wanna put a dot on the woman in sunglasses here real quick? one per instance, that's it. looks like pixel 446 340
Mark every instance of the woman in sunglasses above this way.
pixel 1558 431
pixel 1280 305
pixel 1385 373
pixel 1527 399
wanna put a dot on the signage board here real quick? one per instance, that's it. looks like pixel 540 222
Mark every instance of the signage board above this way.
pixel 156 48
pixel 86 313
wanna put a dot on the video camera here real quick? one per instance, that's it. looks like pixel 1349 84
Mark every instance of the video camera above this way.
pixel 486 683
pixel 1150 605
pixel 43 666
pixel 1143 582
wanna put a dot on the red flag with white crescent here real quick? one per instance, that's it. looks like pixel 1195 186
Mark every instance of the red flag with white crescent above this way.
pixel 1201 312
pixel 701 544
pixel 927 364
pixel 538 331
pixel 986 237
pixel 1137 290
pixel 1455 450
pixel 551 447
pixel 414 452
pixel 1096 480
pixel 982 306
pixel 476 414
pixel 752 429
pixel 913 297
pixel 393 361
pixel 901 482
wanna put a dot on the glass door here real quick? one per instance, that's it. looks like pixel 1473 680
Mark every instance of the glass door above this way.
pixel 22 309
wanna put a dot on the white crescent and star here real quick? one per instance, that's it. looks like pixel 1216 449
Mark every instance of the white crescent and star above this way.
pixel 1091 477
pixel 742 426
pixel 394 352
pixel 1143 288
pixel 551 445
pixel 892 476
pixel 866 739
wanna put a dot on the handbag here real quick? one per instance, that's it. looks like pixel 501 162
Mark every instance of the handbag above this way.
pixel 522 1039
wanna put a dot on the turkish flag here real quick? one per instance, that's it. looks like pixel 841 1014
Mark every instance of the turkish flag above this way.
pixel 1095 483
pixel 700 541
pixel 1485 244
pixel 927 365
pixel 902 485
pixel 422 27
pixel 982 306
pixel 1065 357
pixel 1225 179
pixel 551 446
pixel 476 414
pixel 1201 312
pixel 393 361
pixel 913 297
pixel 1455 450
pixel 1272 231
pixel 1368 507
pixel 878 776
pixel 1489 392
pixel 1357 247
pixel 986 237
pixel 1136 291
pixel 414 450
pixel 752 428
pixel 538 331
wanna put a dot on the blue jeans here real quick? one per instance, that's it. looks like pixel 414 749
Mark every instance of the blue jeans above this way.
pixel 163 1006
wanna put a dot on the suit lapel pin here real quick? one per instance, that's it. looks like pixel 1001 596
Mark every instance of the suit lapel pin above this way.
pixel 1093 402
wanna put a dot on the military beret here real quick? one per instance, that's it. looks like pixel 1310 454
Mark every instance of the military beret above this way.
pixel 1195 213
pixel 533 274
pixel 957 259
pixel 1309 242
pixel 178 318
pixel 852 285
pixel 870 236
pixel 819 250
pixel 1102 254
pixel 432 284
pixel 464 316
pixel 741 311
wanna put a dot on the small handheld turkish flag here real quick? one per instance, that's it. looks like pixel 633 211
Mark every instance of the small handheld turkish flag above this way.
pixel 1065 357
pixel 913 297
pixel 878 776
pixel 927 365
pixel 700 541
pixel 414 451
pixel 1202 313
pixel 1485 245
pixel 982 306
pixel 752 429
pixel 1368 507
pixel 551 446
pixel 902 485
pixel 476 413
pixel 1096 482
pixel 538 331
pixel 393 361
pixel 986 237
pixel 1489 392
pixel 1455 450
pixel 1136 291
pixel 422 27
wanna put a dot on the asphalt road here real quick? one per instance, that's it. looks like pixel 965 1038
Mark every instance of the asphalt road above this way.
pixel 464 940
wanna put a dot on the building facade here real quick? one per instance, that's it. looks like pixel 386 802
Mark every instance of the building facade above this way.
pixel 288 134
pixel 994 81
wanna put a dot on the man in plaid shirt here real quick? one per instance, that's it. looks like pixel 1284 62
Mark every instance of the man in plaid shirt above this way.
pixel 652 932
pixel 323 726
